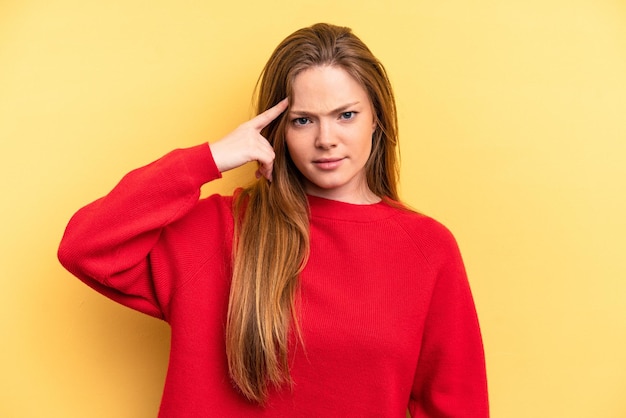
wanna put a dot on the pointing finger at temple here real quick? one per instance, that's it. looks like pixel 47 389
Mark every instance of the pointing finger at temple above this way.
pixel 263 119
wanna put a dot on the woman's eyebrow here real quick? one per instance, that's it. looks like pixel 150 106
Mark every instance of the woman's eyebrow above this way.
pixel 340 109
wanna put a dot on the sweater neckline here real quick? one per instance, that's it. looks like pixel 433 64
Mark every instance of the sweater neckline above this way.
pixel 321 207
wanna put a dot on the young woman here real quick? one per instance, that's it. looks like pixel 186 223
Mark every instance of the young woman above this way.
pixel 313 292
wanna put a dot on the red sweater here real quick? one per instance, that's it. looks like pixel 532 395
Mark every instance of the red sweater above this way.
pixel 387 316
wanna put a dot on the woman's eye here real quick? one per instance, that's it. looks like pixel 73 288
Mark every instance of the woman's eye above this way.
pixel 348 115
pixel 300 121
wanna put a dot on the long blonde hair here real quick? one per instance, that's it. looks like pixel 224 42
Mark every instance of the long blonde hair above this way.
pixel 272 220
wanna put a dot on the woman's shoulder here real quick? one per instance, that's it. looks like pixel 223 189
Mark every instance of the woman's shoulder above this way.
pixel 425 231
pixel 215 204
pixel 213 213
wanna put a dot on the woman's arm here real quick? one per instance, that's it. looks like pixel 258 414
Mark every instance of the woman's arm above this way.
pixel 108 243
pixel 450 379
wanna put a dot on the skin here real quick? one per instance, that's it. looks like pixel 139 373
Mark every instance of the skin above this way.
pixel 246 144
pixel 329 136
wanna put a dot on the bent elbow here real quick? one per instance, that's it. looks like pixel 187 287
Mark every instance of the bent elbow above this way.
pixel 68 254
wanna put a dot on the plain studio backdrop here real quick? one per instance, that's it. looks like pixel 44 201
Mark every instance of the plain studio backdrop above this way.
pixel 513 134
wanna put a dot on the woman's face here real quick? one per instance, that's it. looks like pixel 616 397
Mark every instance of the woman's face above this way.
pixel 329 134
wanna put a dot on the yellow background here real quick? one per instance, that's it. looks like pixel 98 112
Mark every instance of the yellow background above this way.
pixel 513 133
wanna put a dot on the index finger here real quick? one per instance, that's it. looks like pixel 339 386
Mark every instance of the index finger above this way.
pixel 263 119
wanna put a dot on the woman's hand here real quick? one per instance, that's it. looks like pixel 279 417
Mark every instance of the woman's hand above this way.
pixel 246 144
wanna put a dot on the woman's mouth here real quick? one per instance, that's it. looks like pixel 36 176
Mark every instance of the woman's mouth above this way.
pixel 328 163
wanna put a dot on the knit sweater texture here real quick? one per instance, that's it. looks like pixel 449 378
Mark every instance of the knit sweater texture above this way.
pixel 386 313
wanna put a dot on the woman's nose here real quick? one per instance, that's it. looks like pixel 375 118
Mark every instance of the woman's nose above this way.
pixel 324 136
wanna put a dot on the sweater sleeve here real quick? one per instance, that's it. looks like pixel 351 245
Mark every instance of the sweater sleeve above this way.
pixel 450 379
pixel 107 243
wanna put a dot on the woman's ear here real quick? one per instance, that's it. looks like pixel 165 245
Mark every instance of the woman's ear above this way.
pixel 374 119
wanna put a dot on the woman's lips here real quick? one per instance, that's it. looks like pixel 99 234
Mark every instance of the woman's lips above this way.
pixel 328 163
